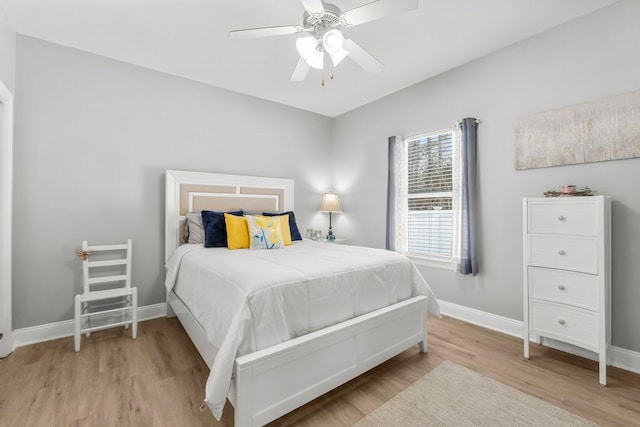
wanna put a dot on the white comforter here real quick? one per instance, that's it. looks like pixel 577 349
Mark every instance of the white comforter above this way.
pixel 249 300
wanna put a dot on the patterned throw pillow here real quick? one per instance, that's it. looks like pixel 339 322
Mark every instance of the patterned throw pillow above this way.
pixel 264 232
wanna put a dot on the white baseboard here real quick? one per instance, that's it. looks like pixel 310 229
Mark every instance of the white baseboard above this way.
pixel 620 357
pixel 625 359
pixel 494 322
pixel 63 329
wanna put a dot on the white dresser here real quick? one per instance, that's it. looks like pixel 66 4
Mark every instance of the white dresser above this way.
pixel 567 273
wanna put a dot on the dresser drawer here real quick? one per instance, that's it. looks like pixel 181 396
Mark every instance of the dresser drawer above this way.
pixel 578 216
pixel 563 286
pixel 570 324
pixel 565 252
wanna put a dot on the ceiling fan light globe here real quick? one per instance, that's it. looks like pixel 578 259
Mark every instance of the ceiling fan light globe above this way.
pixel 306 46
pixel 332 41
pixel 338 56
pixel 316 60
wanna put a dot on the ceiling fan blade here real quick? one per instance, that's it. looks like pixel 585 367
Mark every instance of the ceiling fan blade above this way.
pixel 362 57
pixel 300 72
pixel 265 32
pixel 313 6
pixel 378 9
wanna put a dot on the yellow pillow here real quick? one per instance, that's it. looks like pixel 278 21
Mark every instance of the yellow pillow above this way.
pixel 285 230
pixel 237 231
pixel 264 232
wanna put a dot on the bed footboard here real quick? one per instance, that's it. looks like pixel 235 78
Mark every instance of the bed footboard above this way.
pixel 272 382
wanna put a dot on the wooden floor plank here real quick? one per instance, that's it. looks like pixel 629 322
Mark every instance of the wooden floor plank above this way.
pixel 158 380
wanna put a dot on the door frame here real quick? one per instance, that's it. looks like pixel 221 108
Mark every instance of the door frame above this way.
pixel 6 199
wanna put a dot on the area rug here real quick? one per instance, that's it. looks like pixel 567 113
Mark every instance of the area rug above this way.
pixel 452 395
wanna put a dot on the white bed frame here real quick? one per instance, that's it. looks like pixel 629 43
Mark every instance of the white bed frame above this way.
pixel 274 381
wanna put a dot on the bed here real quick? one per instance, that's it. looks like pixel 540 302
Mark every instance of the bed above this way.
pixel 339 309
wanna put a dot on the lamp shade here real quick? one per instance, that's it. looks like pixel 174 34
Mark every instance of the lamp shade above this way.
pixel 332 41
pixel 306 46
pixel 316 60
pixel 338 56
pixel 330 203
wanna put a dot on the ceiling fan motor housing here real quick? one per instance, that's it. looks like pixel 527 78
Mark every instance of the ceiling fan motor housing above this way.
pixel 320 23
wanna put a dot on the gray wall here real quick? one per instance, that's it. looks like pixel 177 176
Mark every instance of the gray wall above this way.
pixel 593 57
pixel 93 139
pixel 7 52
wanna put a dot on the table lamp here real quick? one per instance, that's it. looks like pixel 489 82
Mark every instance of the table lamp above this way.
pixel 330 204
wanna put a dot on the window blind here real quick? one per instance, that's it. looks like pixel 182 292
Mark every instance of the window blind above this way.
pixel 429 195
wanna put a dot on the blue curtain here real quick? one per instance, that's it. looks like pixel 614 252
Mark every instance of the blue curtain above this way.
pixel 468 203
pixel 391 200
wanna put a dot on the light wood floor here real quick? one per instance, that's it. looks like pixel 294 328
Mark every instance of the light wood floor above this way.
pixel 158 380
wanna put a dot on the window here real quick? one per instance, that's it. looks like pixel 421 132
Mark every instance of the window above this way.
pixel 431 200
pixel 429 195
pixel 423 196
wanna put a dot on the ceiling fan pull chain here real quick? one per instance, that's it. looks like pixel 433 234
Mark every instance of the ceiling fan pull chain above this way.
pixel 324 61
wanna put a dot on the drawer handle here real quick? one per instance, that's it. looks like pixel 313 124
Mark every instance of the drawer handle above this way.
pixel 561 287
pixel 561 252
pixel 562 322
pixel 560 217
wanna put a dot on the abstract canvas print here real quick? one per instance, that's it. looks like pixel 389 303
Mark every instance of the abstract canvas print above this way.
pixel 606 129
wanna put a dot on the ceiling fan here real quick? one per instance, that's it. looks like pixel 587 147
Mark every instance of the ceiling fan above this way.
pixel 323 45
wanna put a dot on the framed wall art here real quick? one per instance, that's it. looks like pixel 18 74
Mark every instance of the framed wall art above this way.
pixel 605 129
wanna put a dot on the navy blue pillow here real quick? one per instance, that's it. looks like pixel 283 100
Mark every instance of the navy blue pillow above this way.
pixel 215 229
pixel 295 233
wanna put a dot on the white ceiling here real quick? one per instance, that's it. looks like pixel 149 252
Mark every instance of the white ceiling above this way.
pixel 188 38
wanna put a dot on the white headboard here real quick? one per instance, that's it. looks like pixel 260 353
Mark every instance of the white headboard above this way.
pixel 194 191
